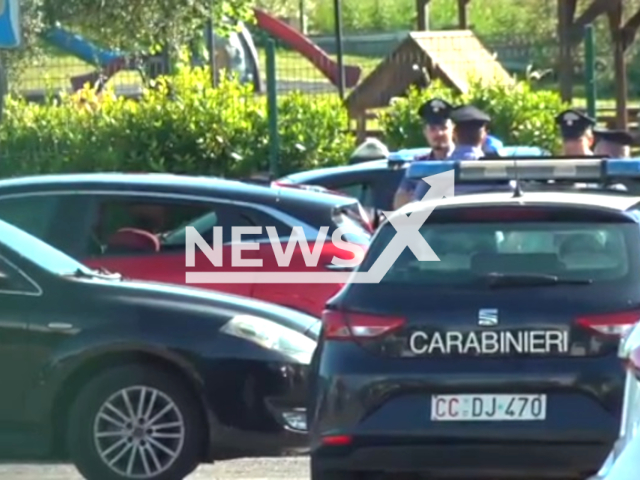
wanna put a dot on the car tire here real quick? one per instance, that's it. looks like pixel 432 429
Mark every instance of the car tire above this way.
pixel 168 446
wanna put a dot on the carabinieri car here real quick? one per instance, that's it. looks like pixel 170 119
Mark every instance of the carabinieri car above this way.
pixel 375 183
pixel 498 358
pixel 135 380
pixel 135 224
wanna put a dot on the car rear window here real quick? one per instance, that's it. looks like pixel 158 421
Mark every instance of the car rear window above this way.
pixel 597 252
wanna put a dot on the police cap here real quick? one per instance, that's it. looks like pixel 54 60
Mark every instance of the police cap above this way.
pixel 469 115
pixel 435 111
pixel 574 124
pixel 618 137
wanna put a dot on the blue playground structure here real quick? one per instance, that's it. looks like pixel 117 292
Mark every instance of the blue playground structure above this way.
pixel 109 62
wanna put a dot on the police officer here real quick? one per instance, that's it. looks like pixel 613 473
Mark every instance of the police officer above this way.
pixel 470 133
pixel 612 143
pixel 576 130
pixel 438 131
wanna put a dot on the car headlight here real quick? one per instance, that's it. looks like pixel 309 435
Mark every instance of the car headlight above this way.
pixel 272 336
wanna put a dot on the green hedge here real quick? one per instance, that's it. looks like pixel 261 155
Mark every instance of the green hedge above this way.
pixel 520 115
pixel 189 128
pixel 193 128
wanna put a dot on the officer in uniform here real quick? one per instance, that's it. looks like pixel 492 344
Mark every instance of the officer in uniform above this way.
pixel 438 131
pixel 470 133
pixel 612 143
pixel 576 130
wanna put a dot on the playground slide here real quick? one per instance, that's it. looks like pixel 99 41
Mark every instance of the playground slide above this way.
pixel 307 48
pixel 109 62
pixel 80 47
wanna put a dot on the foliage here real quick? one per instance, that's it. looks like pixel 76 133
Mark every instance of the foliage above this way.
pixel 489 18
pixel 179 126
pixel 140 25
pixel 129 25
pixel 520 115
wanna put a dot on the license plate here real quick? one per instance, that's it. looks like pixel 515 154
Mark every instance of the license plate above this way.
pixel 500 408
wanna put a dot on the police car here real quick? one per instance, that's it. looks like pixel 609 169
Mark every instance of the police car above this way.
pixel 499 360
pixel 375 183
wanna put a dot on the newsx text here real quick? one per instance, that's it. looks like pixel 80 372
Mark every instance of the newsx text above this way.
pixel 283 255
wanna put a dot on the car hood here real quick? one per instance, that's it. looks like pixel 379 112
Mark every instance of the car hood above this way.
pixel 192 299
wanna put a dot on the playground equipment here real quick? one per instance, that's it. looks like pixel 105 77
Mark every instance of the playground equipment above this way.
pixel 10 37
pixel 240 46
pixel 312 52
pixel 111 62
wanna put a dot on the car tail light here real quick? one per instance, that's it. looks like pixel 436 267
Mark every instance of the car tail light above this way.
pixel 612 324
pixel 339 325
pixel 337 440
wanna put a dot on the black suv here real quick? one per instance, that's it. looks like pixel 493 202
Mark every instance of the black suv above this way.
pixel 497 361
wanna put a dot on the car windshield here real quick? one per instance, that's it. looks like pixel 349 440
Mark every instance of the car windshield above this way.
pixel 514 254
pixel 38 252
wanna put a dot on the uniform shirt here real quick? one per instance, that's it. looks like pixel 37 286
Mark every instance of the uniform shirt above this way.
pixel 409 184
pixel 461 152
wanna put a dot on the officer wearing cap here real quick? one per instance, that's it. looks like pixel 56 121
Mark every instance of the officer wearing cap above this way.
pixel 438 131
pixel 470 133
pixel 576 130
pixel 612 143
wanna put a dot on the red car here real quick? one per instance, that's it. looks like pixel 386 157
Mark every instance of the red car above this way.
pixel 135 224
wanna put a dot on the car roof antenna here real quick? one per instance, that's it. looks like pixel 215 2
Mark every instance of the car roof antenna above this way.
pixel 517 192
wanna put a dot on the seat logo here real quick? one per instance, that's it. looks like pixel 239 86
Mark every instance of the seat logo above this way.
pixel 488 317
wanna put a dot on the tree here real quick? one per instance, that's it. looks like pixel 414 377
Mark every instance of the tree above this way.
pixel 138 25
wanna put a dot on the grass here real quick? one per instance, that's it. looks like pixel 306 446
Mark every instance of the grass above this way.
pixel 55 71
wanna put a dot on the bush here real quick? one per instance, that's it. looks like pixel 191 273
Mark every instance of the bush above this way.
pixel 188 127
pixel 520 115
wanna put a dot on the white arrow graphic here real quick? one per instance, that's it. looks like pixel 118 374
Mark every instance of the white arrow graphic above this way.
pixel 408 230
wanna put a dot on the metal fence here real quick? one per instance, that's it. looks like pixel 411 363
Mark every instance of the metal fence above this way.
pixel 295 71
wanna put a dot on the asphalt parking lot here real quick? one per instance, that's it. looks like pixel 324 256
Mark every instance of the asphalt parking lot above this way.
pixel 289 468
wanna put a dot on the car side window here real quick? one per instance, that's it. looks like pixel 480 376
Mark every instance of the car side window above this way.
pixel 34 214
pixel 264 220
pixel 362 191
pixel 13 282
pixel 151 225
